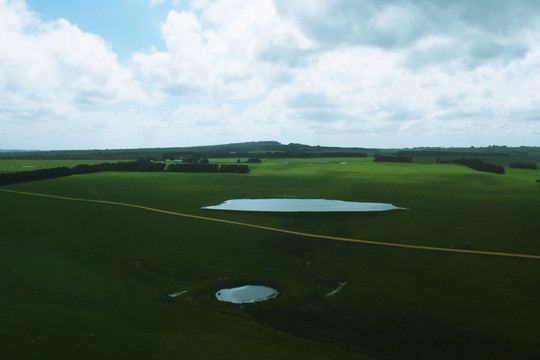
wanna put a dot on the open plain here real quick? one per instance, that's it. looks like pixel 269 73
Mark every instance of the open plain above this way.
pixel 86 279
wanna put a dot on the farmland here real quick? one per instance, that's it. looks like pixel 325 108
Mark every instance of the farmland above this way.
pixel 85 279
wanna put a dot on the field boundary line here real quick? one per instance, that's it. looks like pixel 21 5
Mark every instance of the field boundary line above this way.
pixel 290 232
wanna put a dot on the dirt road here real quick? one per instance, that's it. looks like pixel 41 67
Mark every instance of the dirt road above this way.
pixel 326 237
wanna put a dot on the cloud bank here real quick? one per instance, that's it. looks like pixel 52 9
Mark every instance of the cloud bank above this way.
pixel 354 73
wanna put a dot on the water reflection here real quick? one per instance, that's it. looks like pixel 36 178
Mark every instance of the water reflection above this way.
pixel 246 294
pixel 300 205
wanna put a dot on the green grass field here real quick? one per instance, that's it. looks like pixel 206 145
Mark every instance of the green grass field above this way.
pixel 85 280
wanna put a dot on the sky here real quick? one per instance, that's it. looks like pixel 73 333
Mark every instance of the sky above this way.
pixel 116 74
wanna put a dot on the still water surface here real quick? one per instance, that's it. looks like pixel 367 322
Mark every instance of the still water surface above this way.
pixel 300 205
pixel 246 294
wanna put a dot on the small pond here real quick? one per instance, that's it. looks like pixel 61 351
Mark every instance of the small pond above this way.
pixel 246 294
pixel 300 205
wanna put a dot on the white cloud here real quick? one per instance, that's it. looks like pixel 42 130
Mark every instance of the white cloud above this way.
pixel 366 67
pixel 217 54
pixel 348 72
pixel 58 62
pixel 52 71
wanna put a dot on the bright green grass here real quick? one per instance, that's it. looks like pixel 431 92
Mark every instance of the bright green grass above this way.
pixel 29 165
pixel 72 269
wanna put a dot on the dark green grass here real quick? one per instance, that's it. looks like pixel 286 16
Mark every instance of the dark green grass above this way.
pixel 448 204
pixel 88 269
pixel 74 269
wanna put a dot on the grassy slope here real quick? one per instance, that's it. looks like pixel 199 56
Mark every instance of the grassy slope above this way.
pixel 73 269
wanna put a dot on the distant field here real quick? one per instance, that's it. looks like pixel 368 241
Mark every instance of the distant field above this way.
pixel 85 280
pixel 29 165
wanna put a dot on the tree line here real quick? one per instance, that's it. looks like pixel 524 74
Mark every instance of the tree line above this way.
pixel 195 156
pixel 291 154
pixel 142 165
pixel 475 164
pixel 524 165
pixel 40 174
pixel 208 168
pixel 450 153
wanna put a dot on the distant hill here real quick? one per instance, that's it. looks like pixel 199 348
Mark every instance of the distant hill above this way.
pixel 15 151
pixel 236 150
pixel 501 155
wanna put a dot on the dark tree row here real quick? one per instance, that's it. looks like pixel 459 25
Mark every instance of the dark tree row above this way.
pixel 305 154
pixel 41 174
pixel 524 165
pixel 187 157
pixel 193 156
pixel 394 159
pixel 206 168
pixel 449 153
pixel 135 166
pixel 200 167
pixel 475 164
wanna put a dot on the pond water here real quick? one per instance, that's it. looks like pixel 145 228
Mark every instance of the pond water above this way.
pixel 246 294
pixel 300 205
pixel 175 294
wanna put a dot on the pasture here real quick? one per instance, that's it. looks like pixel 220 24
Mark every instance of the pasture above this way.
pixel 90 280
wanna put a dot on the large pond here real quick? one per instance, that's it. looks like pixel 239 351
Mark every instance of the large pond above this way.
pixel 300 205
pixel 246 294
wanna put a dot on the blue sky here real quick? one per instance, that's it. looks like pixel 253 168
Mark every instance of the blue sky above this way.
pixel 366 73
pixel 128 25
